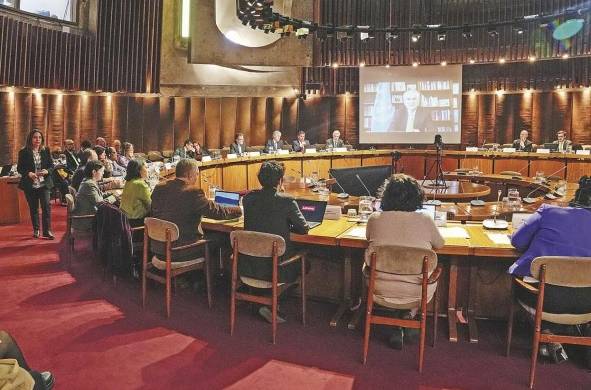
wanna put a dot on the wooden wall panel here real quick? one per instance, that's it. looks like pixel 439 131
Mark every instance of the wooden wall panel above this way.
pixel 470 120
pixel 135 123
pixel 71 117
pixel 7 133
pixel 273 113
pixel 120 122
pixel 197 122
pixel 88 118
pixel 55 122
pixel 315 118
pixel 104 118
pixel 523 113
pixel 243 118
pixel 258 130
pixel 39 113
pixel 486 119
pixel 22 120
pixel 228 118
pixel 561 114
pixel 182 117
pixel 541 116
pixel 581 118
pixel 151 124
pixel 351 129
pixel 213 126
pixel 289 117
pixel 166 139
pixel 504 110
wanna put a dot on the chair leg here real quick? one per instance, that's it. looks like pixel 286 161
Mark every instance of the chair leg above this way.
pixel 208 283
pixel 232 303
pixel 367 330
pixel 510 323
pixel 435 315
pixel 168 295
pixel 303 288
pixel 422 336
pixel 274 314
pixel 71 251
pixel 534 357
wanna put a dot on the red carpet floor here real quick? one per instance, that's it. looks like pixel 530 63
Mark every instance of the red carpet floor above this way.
pixel 93 335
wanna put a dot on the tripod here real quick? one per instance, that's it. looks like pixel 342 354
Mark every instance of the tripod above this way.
pixel 439 181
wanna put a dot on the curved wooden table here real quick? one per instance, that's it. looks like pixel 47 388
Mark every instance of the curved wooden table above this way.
pixel 456 190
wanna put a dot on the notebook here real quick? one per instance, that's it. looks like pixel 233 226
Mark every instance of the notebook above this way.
pixel 313 211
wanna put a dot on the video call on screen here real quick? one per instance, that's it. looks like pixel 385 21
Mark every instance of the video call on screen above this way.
pixel 409 105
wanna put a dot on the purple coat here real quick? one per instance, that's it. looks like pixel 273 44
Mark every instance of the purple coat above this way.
pixel 552 231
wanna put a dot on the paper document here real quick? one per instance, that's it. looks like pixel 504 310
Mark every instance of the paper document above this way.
pixel 357 232
pixel 453 232
pixel 499 238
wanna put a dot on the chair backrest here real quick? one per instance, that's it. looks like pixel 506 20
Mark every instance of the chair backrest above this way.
pixel 563 270
pixel 156 229
pixel 70 203
pixel 256 243
pixel 403 260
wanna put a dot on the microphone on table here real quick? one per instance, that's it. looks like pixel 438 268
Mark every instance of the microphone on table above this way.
pixel 529 200
pixel 363 184
pixel 343 194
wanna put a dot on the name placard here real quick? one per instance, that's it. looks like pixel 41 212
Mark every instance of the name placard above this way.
pixel 282 151
pixel 205 158
pixel 231 156
pixel 339 150
pixel 254 154
pixel 311 150
pixel 508 150
pixel 543 151
pixel 583 152
pixel 471 149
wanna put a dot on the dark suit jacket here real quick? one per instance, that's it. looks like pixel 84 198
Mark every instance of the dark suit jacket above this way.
pixel 422 120
pixel 72 160
pixel 269 147
pixel 565 144
pixel 182 153
pixel 26 164
pixel 331 144
pixel 295 145
pixel 175 201
pixel 267 211
pixel 527 148
pixel 234 148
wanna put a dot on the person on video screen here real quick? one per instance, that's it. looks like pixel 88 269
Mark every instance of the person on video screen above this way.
pixel 411 117
pixel 383 110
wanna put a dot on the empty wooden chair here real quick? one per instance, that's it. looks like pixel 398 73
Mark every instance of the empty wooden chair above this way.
pixel 72 232
pixel 573 272
pixel 402 261
pixel 161 268
pixel 269 247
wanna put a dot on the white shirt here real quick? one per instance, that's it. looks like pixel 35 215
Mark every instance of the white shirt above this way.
pixel 410 121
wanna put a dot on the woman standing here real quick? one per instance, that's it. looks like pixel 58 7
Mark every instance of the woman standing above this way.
pixel 136 199
pixel 34 166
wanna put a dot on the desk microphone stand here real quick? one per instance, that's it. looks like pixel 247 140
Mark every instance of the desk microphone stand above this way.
pixel 439 181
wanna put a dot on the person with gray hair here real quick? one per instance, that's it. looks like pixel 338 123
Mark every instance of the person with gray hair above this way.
pixel 180 201
pixel 275 143
pixel 522 144
pixel 412 117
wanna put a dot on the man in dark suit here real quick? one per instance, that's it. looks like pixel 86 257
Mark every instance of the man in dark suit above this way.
pixel 180 201
pixel 185 151
pixel 522 144
pixel 412 118
pixel 238 147
pixel 300 144
pixel 562 143
pixel 335 141
pixel 72 159
pixel 275 143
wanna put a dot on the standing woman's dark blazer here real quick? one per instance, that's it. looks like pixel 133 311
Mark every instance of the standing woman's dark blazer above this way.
pixel 26 164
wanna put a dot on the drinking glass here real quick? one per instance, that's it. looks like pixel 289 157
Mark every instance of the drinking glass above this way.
pixel 539 176
pixel 314 177
pixel 212 189
pixel 365 208
pixel 514 198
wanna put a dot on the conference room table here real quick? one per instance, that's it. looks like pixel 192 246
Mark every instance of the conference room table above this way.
pixel 464 243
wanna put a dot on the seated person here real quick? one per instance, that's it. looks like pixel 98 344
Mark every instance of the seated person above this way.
pixel 522 144
pixel 102 157
pixel 562 142
pixel 78 177
pixel 400 224
pixel 556 231
pixel 117 170
pixel 200 151
pixel 335 141
pixel 117 146
pixel 136 198
pixel 185 151
pixel 86 144
pixel 275 143
pixel 268 211
pixel 126 155
pixel 89 195
pixel 72 159
pixel 100 141
pixel 238 147
pixel 180 201
pixel 300 144
pixel 20 376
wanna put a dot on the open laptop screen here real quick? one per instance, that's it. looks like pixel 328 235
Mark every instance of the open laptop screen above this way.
pixel 227 198
pixel 312 210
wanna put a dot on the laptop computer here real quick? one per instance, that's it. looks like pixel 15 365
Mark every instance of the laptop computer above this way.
pixel 226 198
pixel 313 211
